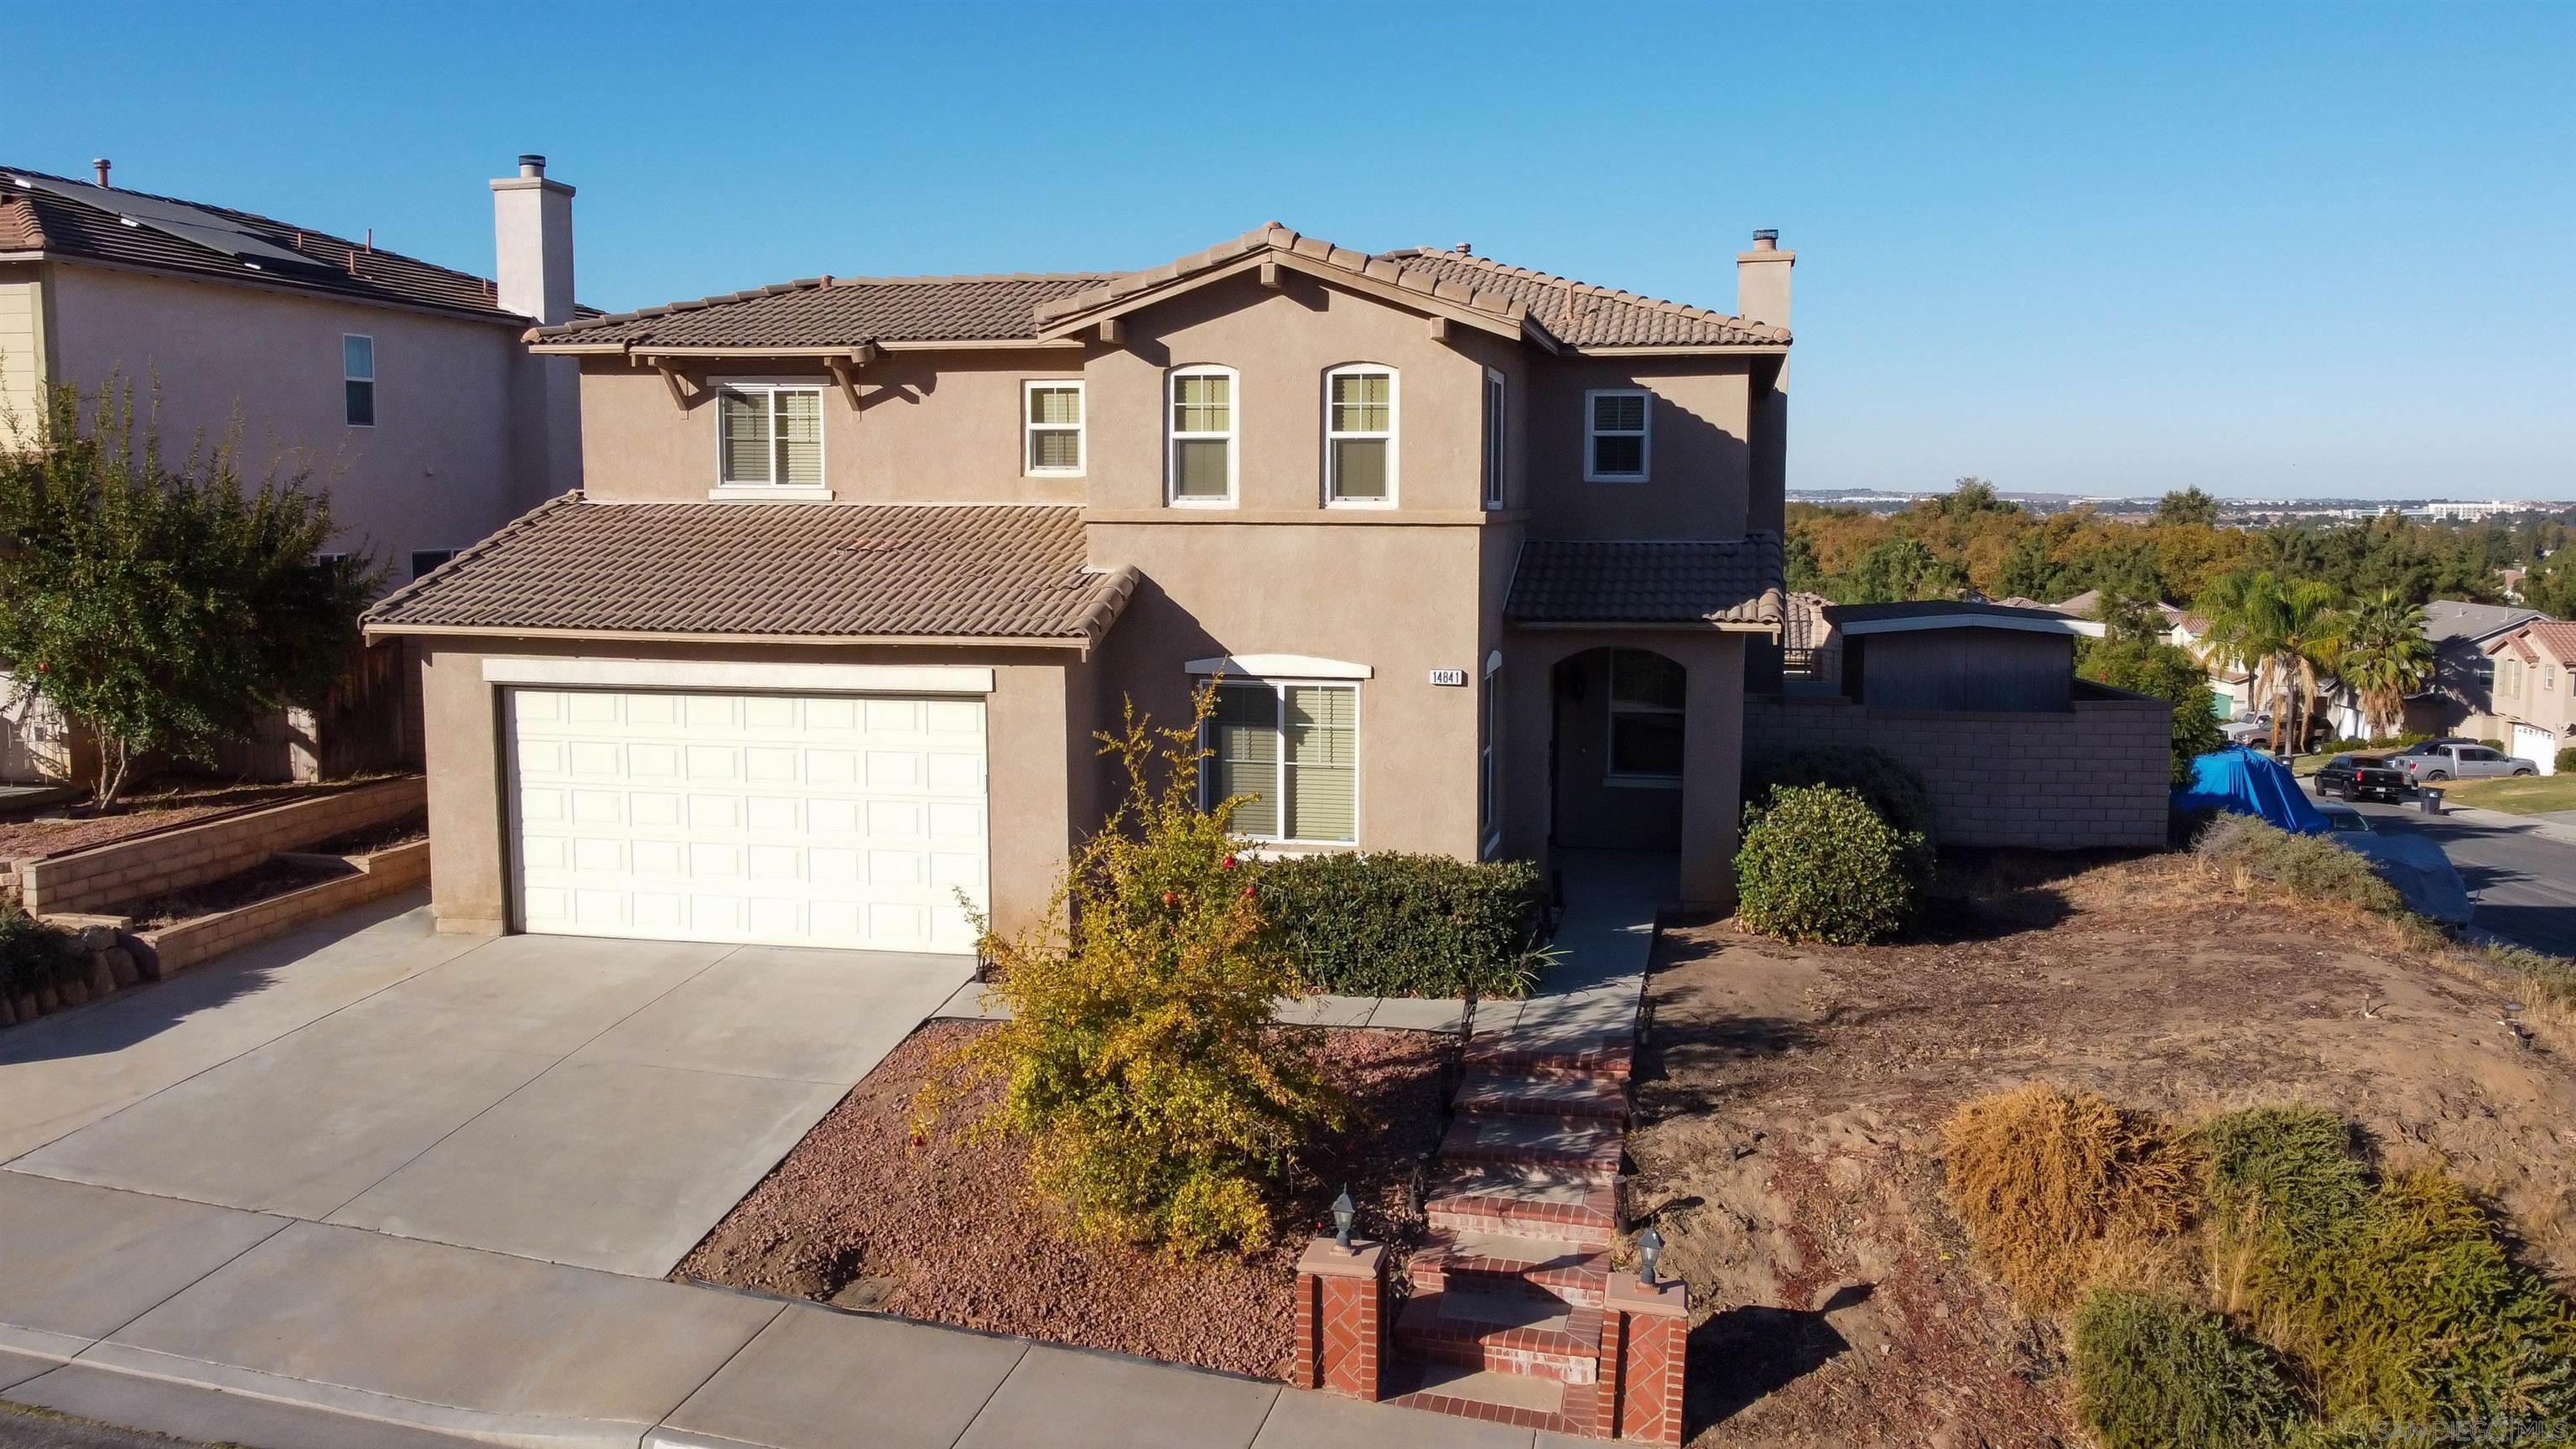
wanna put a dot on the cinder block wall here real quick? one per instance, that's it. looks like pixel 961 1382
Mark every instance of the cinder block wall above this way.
pixel 2097 776
pixel 148 865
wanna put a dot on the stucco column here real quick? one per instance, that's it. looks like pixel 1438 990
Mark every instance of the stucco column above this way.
pixel 461 749
pixel 1712 773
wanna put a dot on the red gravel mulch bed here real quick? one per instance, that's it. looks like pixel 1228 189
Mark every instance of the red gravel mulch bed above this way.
pixel 141 813
pixel 271 878
pixel 949 1231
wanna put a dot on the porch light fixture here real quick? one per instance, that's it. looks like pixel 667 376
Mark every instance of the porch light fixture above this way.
pixel 1650 1246
pixel 1344 1213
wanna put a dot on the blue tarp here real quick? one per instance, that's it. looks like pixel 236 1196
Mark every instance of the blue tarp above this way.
pixel 2249 783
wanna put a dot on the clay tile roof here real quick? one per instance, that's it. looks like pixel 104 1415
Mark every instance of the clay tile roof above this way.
pixel 1728 582
pixel 62 217
pixel 848 311
pixel 1803 624
pixel 839 312
pixel 1580 314
pixel 2556 636
pixel 787 570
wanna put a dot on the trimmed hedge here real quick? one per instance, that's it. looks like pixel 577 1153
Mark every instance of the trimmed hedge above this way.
pixel 1385 923
pixel 1818 864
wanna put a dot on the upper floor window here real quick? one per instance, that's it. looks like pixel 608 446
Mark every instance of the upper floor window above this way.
pixel 1616 444
pixel 1494 398
pixel 358 379
pixel 1201 463
pixel 2484 671
pixel 2549 679
pixel 2513 676
pixel 1290 752
pixel 1053 421
pixel 1359 435
pixel 770 435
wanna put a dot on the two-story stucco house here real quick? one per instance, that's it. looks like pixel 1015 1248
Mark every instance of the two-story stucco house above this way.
pixel 2534 671
pixel 1483 557
pixel 402 386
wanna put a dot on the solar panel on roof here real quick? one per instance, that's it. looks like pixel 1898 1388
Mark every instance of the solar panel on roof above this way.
pixel 207 229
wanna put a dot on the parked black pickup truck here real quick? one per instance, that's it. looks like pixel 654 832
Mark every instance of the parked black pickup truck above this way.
pixel 2363 777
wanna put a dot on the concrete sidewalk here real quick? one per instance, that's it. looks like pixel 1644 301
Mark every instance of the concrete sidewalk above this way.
pixel 224 1322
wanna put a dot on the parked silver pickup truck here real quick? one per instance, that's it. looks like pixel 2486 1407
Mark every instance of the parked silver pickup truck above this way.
pixel 2459 762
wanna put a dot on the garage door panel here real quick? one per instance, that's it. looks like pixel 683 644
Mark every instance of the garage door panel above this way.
pixel 833 821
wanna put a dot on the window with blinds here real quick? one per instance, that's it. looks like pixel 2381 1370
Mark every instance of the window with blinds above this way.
pixel 1359 435
pixel 1054 425
pixel 1288 755
pixel 1201 464
pixel 1615 439
pixel 770 437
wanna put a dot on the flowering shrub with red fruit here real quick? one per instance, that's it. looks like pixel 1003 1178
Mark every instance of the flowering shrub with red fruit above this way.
pixel 1140 1063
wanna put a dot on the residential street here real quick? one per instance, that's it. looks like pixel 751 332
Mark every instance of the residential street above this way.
pixel 2523 879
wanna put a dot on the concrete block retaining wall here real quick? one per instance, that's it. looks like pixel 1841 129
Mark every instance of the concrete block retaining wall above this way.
pixel 2098 775
pixel 175 859
pixel 173 949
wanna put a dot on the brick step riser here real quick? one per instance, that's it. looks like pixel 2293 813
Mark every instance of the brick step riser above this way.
pixel 1572 1286
pixel 1473 1217
pixel 1578 1113
pixel 1605 1159
pixel 1557 1068
pixel 1519 1418
pixel 1572 1370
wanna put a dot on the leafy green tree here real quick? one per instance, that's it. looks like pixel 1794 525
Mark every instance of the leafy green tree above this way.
pixel 2188 506
pixel 2029 572
pixel 166 608
pixel 2385 657
pixel 1901 567
pixel 2142 664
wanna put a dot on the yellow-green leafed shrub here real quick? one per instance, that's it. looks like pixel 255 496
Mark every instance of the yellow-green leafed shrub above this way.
pixel 2151 1373
pixel 1817 864
pixel 1140 1063
pixel 2396 1297
pixel 2044 1179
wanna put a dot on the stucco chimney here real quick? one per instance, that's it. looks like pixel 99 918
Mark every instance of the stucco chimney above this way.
pixel 1762 280
pixel 532 238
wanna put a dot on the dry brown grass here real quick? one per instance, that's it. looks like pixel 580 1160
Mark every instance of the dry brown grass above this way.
pixel 2065 1189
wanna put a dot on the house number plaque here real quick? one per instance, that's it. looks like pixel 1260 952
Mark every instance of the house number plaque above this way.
pixel 1451 677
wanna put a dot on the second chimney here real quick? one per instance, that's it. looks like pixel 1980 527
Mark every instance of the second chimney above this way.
pixel 1762 280
pixel 532 243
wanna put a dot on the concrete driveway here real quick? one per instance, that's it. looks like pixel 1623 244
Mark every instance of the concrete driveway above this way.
pixel 586 1102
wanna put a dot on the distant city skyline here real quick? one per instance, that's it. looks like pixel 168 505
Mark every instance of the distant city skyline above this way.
pixel 2279 250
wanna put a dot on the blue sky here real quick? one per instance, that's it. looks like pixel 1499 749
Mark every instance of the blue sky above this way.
pixel 2277 249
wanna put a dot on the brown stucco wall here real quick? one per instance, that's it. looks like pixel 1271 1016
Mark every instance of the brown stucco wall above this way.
pixel 1031 715
pixel 2098 774
pixel 1699 463
pixel 436 470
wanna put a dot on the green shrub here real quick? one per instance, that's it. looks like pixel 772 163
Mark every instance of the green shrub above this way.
pixel 2151 1373
pixel 2396 1298
pixel 2545 977
pixel 1887 783
pixel 34 955
pixel 2567 760
pixel 1818 864
pixel 2311 866
pixel 1384 923
pixel 1139 1062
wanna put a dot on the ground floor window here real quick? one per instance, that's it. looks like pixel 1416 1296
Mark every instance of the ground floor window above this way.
pixel 1292 752
pixel 1489 819
pixel 1646 694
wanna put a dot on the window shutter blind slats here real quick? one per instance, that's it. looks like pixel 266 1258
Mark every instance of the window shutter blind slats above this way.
pixel 746 437
pixel 1321 735
pixel 800 438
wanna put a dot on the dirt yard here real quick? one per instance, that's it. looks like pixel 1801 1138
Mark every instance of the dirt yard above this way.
pixel 859 1215
pixel 152 808
pixel 1789 1096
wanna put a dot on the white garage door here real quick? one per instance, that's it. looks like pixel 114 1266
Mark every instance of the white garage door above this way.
pixel 2535 746
pixel 849 821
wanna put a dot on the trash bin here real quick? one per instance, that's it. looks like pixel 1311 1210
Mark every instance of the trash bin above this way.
pixel 2428 799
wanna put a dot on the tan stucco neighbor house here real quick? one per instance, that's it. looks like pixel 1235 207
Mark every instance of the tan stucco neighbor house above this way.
pixel 2535 690
pixel 1484 558
pixel 403 386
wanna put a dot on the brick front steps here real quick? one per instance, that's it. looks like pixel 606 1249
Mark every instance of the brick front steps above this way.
pixel 1505 1321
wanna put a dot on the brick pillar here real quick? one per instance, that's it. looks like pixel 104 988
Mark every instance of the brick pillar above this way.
pixel 1341 1317
pixel 1645 1335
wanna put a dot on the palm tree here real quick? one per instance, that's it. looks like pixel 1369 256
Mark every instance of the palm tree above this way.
pixel 2385 658
pixel 2285 633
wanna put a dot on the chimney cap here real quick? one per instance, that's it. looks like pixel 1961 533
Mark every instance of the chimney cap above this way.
pixel 531 164
pixel 1767 239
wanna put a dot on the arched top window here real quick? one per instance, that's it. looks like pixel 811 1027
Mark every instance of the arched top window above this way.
pixel 1202 430
pixel 1360 417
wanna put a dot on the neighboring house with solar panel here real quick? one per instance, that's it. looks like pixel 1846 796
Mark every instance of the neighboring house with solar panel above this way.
pixel 402 385
pixel 1486 559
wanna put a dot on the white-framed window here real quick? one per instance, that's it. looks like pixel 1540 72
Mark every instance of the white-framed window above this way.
pixel 1495 398
pixel 769 436
pixel 358 379
pixel 1202 420
pixel 1292 751
pixel 2549 679
pixel 1489 737
pixel 1359 436
pixel 1646 699
pixel 2513 676
pixel 1051 417
pixel 1617 442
